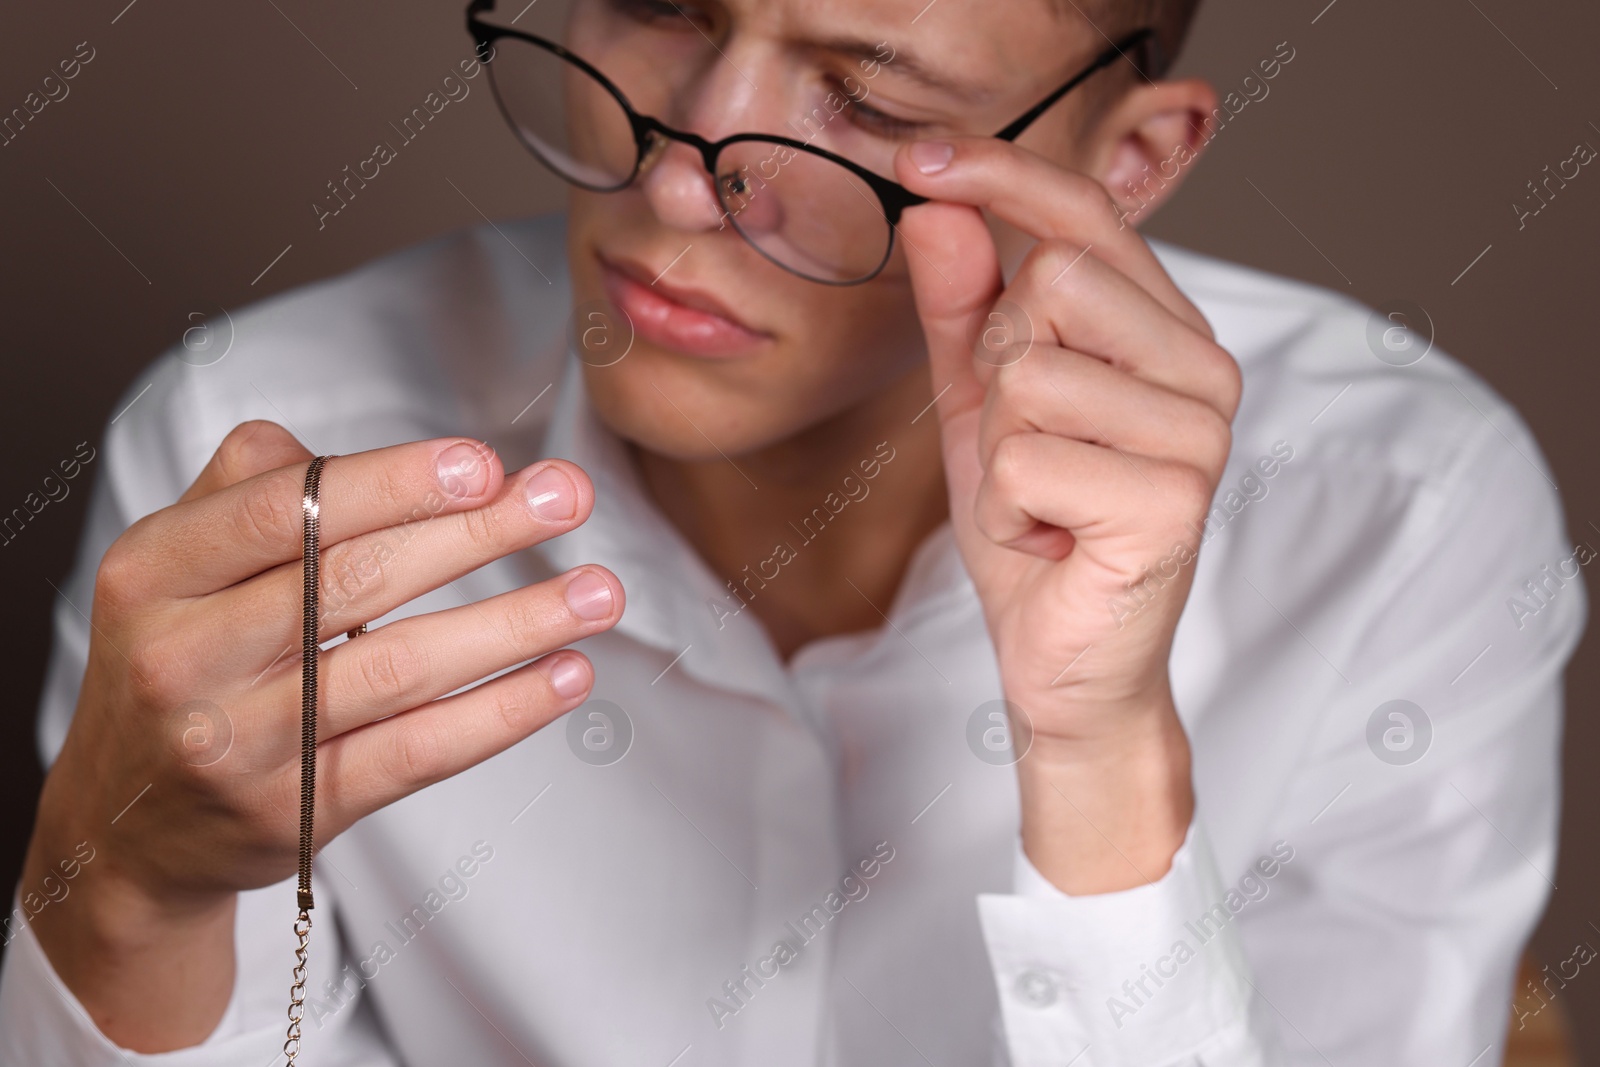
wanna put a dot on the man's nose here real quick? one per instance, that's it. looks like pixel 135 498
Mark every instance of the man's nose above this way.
pixel 714 105
pixel 679 189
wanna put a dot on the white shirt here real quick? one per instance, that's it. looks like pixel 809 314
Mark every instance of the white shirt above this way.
pixel 1328 905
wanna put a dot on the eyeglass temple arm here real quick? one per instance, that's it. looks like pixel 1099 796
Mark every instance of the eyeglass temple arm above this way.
pixel 1145 40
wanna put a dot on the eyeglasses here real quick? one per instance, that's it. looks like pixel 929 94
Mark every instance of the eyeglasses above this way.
pixel 809 210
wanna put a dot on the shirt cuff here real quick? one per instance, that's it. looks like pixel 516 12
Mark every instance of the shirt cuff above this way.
pixel 42 1021
pixel 1142 977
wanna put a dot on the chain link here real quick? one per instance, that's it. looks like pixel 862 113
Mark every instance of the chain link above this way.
pixel 297 992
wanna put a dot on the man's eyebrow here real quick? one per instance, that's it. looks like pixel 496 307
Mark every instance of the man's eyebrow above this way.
pixel 903 61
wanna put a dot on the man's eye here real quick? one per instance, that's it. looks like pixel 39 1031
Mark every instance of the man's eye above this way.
pixel 876 122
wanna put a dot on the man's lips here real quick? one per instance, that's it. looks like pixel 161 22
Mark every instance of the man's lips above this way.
pixel 677 317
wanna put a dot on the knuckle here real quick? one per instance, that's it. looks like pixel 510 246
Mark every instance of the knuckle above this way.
pixel 350 570
pixel 1007 463
pixel 528 624
pixel 389 490
pixel 1206 435
pixel 515 705
pixel 1229 377
pixel 393 669
pixel 1046 260
pixel 1191 487
pixel 156 662
pixel 421 751
pixel 1085 198
pixel 267 516
pixel 233 454
pixel 117 578
pixel 1087 191
pixel 1217 438
pixel 484 528
pixel 983 514
pixel 1013 382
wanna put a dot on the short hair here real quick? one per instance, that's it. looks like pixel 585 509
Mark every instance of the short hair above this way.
pixel 1170 19
pixel 1111 20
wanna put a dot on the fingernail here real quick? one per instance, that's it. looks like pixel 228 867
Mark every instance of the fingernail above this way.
pixel 930 157
pixel 589 596
pixel 552 496
pixel 567 677
pixel 463 471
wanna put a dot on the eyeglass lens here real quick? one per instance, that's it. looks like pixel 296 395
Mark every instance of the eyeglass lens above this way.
pixel 801 210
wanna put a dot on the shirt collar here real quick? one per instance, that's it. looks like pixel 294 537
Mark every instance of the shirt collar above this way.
pixel 669 590
pixel 674 601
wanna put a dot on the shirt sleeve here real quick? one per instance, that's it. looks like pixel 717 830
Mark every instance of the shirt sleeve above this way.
pixel 1122 978
pixel 1425 814
pixel 145 462
pixel 1422 847
pixel 42 1022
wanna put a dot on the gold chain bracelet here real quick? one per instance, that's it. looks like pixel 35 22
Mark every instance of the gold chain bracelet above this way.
pixel 310 625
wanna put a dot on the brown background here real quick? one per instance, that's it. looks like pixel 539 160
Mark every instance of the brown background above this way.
pixel 194 143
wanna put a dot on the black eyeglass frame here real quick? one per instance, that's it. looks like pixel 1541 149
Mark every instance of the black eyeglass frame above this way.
pixel 893 197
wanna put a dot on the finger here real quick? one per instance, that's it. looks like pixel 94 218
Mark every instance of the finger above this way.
pixel 1081 302
pixel 1041 198
pixel 414 660
pixel 214 541
pixel 1103 497
pixel 1071 394
pixel 377 764
pixel 250 448
pixel 366 576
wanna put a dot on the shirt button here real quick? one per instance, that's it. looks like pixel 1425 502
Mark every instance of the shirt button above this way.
pixel 1036 988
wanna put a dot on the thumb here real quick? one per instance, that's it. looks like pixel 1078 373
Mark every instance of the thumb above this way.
pixel 955 279
pixel 249 448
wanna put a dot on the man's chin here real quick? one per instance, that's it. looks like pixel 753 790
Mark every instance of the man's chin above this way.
pixel 676 417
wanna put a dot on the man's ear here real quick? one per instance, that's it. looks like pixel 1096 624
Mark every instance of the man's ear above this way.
pixel 1150 140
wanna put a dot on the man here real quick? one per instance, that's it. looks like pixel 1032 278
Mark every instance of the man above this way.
pixel 1040 647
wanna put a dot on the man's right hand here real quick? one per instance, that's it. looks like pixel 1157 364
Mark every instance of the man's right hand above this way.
pixel 196 637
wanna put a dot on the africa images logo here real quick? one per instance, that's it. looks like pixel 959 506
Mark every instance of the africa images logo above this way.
pixel 739 990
